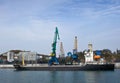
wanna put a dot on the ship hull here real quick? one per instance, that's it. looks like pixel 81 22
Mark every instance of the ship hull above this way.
pixel 87 67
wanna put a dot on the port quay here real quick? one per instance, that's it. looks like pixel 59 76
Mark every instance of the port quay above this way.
pixel 10 66
pixel 93 60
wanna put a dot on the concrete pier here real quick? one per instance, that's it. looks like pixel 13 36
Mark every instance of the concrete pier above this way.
pixel 6 66
pixel 117 65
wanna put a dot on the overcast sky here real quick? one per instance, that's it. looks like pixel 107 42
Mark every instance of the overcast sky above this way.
pixel 30 24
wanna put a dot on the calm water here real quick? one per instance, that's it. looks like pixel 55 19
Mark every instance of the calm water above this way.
pixel 12 76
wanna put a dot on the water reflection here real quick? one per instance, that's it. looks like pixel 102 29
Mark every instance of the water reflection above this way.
pixel 57 77
pixel 52 76
pixel 94 76
pixel 66 77
pixel 11 76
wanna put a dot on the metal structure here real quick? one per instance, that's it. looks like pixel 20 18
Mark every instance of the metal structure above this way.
pixel 74 55
pixel 53 54
pixel 62 54
pixel 75 44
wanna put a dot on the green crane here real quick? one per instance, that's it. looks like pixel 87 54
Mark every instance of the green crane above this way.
pixel 53 54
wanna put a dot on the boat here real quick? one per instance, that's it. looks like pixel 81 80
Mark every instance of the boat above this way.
pixel 89 65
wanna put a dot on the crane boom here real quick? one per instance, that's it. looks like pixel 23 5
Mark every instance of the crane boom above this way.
pixel 55 42
pixel 53 54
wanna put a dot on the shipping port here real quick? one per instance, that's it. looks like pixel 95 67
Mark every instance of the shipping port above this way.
pixel 93 61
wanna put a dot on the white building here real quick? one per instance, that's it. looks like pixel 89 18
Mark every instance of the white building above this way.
pixel 12 54
pixel 8 56
pixel 89 54
pixel 28 56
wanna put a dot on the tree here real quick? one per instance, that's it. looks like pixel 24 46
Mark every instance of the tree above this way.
pixel 81 56
pixel 107 54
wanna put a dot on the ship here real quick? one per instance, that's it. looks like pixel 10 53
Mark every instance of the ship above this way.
pixel 89 65
pixel 92 62
pixel 86 67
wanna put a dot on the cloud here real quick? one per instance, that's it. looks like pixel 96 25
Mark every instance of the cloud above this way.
pixel 107 39
pixel 90 9
pixel 115 10
pixel 30 31
pixel 30 24
pixel 36 35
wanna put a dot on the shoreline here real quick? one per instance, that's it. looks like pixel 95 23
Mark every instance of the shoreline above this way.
pixel 6 66
pixel 10 66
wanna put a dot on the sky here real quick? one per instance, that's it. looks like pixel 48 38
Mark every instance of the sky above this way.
pixel 30 24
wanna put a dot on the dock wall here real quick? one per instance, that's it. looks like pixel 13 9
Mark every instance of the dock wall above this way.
pixel 6 66
pixel 10 66
pixel 117 65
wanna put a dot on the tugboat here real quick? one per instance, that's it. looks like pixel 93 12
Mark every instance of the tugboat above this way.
pixel 89 65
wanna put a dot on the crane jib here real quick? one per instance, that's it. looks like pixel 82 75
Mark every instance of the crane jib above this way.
pixel 53 54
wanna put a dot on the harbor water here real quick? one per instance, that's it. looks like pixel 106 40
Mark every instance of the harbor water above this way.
pixel 13 76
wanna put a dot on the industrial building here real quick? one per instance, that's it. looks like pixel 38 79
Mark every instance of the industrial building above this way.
pixel 12 55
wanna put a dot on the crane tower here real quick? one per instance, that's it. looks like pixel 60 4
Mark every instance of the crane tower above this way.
pixel 53 54
pixel 62 54
pixel 75 45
